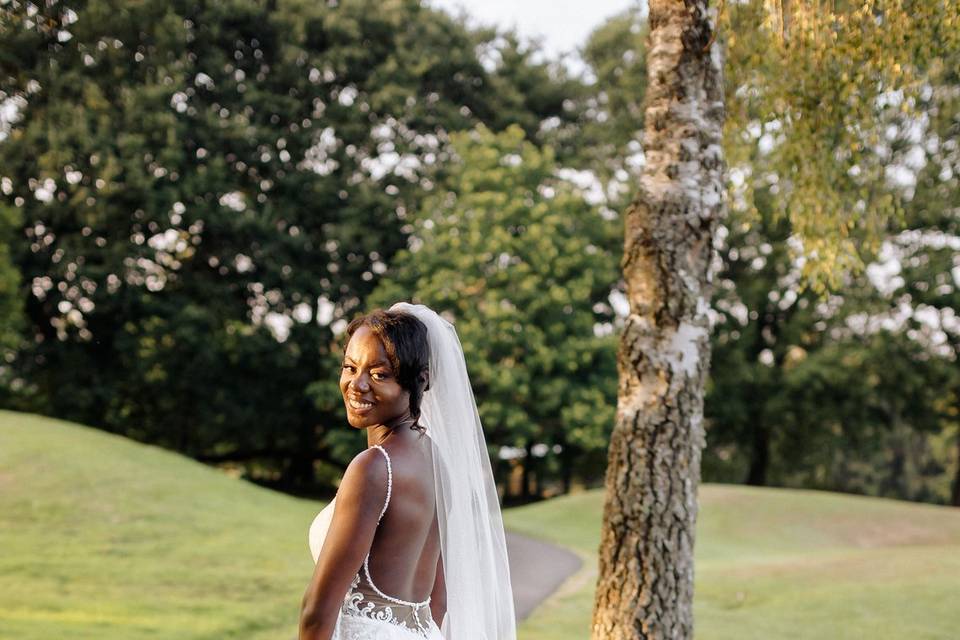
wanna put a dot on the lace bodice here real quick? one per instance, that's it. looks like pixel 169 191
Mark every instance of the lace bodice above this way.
pixel 364 599
pixel 360 602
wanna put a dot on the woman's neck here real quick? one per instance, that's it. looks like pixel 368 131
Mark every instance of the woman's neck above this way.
pixel 395 428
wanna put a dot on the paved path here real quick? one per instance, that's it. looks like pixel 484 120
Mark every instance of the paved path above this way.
pixel 536 570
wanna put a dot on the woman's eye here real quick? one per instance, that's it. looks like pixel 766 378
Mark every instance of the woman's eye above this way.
pixel 377 375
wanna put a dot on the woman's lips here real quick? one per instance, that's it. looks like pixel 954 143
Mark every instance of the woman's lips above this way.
pixel 358 406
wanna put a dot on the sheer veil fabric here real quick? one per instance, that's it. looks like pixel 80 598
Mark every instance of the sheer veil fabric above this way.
pixel 472 541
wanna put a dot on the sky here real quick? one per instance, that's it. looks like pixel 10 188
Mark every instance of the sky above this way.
pixel 563 24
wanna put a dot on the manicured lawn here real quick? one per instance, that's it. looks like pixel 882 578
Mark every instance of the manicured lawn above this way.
pixel 103 538
pixel 776 563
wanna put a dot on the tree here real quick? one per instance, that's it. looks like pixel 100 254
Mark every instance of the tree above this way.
pixel 768 317
pixel 208 189
pixel 763 320
pixel 612 122
pixel 806 392
pixel 645 586
pixel 915 278
pixel 819 83
pixel 11 306
pixel 514 255
pixel 858 414
pixel 825 121
pixel 930 248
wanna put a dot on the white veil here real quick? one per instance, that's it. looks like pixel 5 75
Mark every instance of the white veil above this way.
pixel 472 542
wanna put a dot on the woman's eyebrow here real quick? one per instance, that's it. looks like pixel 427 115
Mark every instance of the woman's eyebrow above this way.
pixel 378 363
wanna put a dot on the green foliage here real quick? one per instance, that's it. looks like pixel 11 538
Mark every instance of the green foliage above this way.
pixel 824 106
pixel 818 84
pixel 611 129
pixel 11 303
pixel 198 181
pixel 919 290
pixel 763 321
pixel 514 256
pixel 809 393
pixel 855 410
pixel 11 306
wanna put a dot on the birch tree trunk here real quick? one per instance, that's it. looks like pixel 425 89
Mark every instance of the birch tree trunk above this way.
pixel 645 584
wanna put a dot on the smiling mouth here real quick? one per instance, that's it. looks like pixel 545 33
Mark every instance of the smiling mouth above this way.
pixel 362 406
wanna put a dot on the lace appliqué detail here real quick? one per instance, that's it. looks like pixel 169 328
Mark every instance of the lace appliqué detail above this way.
pixel 414 620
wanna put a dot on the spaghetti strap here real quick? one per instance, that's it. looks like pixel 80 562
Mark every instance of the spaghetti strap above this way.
pixel 389 481
pixel 366 561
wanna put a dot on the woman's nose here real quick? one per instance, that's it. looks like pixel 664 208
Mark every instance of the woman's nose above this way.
pixel 361 382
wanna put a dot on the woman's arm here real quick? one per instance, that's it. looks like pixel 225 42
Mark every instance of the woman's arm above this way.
pixel 360 498
pixel 438 598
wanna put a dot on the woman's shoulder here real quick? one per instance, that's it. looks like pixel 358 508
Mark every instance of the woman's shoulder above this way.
pixel 365 474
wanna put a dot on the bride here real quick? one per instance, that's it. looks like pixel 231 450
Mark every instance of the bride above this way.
pixel 412 546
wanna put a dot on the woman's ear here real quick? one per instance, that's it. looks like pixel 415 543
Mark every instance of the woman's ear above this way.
pixel 425 380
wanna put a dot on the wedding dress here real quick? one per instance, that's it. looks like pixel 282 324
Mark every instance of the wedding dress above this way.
pixel 476 573
pixel 367 613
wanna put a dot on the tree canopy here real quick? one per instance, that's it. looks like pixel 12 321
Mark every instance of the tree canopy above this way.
pixel 208 191
pixel 515 255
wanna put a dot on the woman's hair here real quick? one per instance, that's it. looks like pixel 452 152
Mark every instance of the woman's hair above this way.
pixel 404 338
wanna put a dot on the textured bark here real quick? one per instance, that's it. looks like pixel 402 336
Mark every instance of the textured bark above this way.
pixel 645 584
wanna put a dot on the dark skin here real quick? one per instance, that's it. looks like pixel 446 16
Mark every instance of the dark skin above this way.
pixel 405 549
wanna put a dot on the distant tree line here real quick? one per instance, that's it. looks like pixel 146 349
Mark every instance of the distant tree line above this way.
pixel 196 197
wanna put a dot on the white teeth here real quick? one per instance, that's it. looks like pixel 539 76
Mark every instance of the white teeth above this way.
pixel 360 405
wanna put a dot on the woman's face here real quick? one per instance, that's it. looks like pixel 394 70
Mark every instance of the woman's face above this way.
pixel 368 382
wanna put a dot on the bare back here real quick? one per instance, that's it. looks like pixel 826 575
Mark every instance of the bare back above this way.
pixel 379 569
pixel 406 547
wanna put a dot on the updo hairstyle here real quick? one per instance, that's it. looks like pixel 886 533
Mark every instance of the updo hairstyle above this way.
pixel 404 338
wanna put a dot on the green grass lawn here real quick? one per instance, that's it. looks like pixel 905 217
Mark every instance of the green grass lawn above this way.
pixel 104 538
pixel 776 563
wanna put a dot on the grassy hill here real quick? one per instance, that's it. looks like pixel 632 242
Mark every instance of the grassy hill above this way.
pixel 101 537
pixel 777 563
pixel 104 538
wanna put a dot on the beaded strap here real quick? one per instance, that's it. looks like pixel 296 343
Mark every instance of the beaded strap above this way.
pixel 389 481
pixel 366 561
